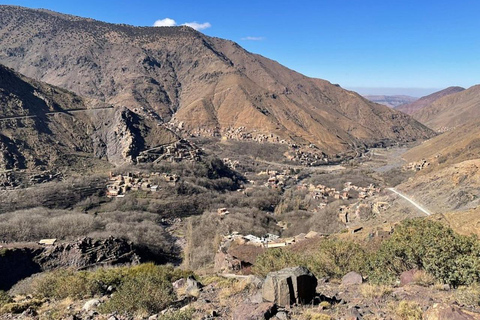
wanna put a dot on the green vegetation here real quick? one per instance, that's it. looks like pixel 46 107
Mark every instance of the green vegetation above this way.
pixel 426 245
pixel 4 298
pixel 332 258
pixel 145 288
pixel 430 246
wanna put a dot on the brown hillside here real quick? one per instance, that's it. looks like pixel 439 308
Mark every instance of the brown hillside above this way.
pixel 206 85
pixel 44 127
pixel 452 110
pixel 423 102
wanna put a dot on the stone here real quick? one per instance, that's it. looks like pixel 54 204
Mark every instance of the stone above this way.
pixel 193 287
pixel 289 286
pixel 90 304
pixel 248 311
pixel 407 277
pixel 449 312
pixel 180 283
pixel 352 278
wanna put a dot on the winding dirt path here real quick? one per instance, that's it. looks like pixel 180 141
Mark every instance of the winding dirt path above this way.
pixel 415 204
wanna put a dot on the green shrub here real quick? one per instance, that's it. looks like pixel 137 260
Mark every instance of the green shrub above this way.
pixel 4 298
pixel 177 315
pixel 449 257
pixel 333 258
pixel 274 260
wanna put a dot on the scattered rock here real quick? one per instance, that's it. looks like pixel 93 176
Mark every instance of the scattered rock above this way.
pixel 247 311
pixel 449 312
pixel 90 304
pixel 352 278
pixel 289 286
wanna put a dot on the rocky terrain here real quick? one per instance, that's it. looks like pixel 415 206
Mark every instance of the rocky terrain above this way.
pixel 203 85
pixel 391 101
pixel 419 104
pixel 452 110
pixel 44 127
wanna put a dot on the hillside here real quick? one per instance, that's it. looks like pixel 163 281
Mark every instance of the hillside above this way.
pixel 452 110
pixel 203 85
pixel 423 102
pixel 44 127
pixel 391 101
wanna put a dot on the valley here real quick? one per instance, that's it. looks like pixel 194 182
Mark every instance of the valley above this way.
pixel 160 173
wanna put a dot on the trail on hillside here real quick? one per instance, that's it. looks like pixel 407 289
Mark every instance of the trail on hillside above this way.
pixel 418 206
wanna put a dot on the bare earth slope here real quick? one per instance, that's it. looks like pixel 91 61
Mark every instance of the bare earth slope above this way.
pixel 450 184
pixel 423 102
pixel 206 85
pixel 452 110
pixel 391 101
pixel 44 127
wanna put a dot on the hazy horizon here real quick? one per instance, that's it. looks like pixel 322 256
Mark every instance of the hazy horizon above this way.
pixel 385 91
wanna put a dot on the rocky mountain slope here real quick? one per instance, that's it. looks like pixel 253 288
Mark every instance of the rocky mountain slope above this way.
pixel 204 85
pixel 423 102
pixel 391 101
pixel 452 110
pixel 450 184
pixel 42 126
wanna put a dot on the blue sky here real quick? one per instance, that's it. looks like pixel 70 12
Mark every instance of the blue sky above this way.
pixel 381 46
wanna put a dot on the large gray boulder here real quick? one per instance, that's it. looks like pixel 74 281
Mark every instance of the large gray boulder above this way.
pixel 289 286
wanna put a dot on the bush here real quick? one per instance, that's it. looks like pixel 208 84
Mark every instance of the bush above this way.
pixel 4 298
pixel 145 288
pixel 430 246
pixel 332 258
pixel 408 310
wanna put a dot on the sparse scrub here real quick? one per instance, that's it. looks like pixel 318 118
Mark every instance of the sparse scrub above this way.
pixel 370 291
pixel 408 310
pixel 468 295
pixel 4 298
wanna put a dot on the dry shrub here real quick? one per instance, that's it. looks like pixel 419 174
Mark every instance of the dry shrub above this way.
pixel 370 291
pixel 423 278
pixel 468 295
pixel 408 310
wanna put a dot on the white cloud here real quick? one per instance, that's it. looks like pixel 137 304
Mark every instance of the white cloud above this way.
pixel 197 26
pixel 167 22
pixel 253 38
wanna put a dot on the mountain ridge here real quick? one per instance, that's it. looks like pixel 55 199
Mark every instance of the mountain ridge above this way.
pixel 203 85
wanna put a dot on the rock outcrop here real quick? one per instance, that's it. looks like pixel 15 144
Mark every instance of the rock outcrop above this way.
pixel 290 286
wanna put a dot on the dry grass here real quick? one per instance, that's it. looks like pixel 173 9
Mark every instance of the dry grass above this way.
pixel 370 291
pixel 406 310
pixel 423 278
pixel 468 295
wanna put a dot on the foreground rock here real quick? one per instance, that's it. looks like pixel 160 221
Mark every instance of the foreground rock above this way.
pixel 352 278
pixel 289 286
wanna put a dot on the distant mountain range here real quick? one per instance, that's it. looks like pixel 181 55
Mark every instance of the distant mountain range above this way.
pixel 391 101
pixel 452 110
pixel 423 102
pixel 203 85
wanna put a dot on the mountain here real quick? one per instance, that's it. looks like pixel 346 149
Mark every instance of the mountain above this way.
pixel 452 110
pixel 44 127
pixel 203 85
pixel 391 101
pixel 423 102
pixel 450 184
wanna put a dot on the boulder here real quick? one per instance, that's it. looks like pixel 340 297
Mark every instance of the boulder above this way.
pixel 449 312
pixel 407 277
pixel 193 287
pixel 289 286
pixel 352 278
pixel 91 304
pixel 262 311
